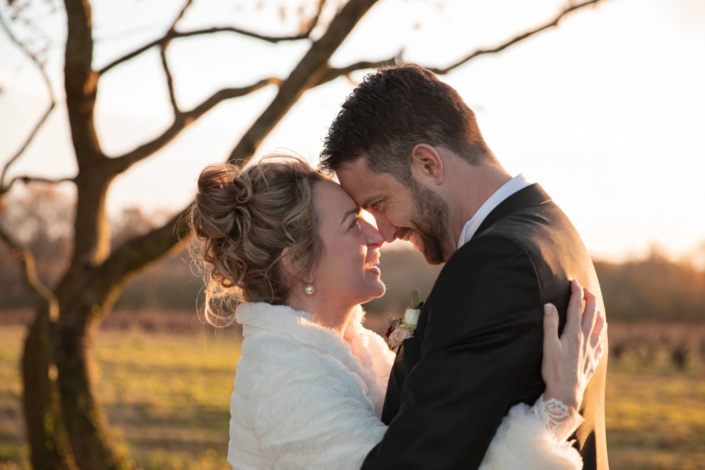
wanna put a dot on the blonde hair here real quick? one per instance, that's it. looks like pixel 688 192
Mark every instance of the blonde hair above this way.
pixel 243 220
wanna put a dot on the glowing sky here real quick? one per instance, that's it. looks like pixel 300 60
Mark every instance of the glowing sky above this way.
pixel 607 112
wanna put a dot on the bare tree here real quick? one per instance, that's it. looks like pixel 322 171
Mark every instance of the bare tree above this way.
pixel 66 426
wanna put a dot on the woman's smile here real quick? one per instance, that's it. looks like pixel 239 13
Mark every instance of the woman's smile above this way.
pixel 372 263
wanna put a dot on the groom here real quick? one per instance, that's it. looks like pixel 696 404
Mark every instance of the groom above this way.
pixel 408 149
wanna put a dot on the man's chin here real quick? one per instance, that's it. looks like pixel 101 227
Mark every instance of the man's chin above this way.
pixel 432 252
pixel 416 240
pixel 433 258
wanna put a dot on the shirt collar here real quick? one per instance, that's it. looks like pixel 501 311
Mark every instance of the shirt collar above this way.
pixel 512 186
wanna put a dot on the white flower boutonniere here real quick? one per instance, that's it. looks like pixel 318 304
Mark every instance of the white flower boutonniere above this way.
pixel 404 327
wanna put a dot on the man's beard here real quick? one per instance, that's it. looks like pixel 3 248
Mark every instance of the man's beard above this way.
pixel 432 224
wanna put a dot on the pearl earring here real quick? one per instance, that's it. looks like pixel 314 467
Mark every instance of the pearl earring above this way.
pixel 309 289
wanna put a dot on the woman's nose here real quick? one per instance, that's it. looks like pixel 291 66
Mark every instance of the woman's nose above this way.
pixel 373 236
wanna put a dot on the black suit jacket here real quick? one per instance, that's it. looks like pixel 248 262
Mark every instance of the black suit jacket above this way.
pixel 478 347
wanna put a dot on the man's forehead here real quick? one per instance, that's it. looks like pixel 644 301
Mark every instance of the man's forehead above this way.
pixel 352 175
pixel 357 167
pixel 363 185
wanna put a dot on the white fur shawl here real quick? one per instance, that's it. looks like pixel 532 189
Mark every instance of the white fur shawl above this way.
pixel 305 398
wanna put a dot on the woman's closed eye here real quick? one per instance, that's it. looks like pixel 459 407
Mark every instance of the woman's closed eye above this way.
pixel 355 223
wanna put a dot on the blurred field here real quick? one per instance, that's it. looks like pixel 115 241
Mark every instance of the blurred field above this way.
pixel 167 396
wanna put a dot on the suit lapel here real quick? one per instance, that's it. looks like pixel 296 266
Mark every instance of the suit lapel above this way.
pixel 410 351
pixel 530 196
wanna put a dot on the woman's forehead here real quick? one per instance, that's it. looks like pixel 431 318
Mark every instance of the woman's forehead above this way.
pixel 331 197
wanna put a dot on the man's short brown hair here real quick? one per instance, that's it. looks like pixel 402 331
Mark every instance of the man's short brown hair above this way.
pixel 391 112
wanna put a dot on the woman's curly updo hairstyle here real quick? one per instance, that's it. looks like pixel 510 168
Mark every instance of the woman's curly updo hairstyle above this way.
pixel 243 220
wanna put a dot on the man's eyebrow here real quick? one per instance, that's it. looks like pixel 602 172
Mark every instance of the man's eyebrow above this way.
pixel 349 213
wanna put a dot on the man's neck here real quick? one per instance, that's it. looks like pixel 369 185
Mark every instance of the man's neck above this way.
pixel 472 186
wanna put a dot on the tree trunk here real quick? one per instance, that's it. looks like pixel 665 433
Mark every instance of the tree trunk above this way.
pixel 45 434
pixel 83 417
pixel 81 306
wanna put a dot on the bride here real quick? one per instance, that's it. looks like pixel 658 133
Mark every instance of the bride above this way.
pixel 290 246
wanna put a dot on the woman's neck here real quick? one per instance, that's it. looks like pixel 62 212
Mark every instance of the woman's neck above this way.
pixel 327 313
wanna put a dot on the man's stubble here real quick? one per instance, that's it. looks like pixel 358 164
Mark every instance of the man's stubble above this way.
pixel 432 223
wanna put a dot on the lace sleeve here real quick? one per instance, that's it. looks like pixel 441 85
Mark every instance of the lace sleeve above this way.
pixel 555 416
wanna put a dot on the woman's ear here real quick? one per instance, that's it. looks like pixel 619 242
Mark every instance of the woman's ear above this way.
pixel 289 264
pixel 426 164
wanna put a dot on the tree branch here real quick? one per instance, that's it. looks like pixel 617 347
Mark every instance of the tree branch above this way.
pixel 165 63
pixel 332 73
pixel 554 22
pixel 23 147
pixel 180 15
pixel 307 74
pixel 29 274
pixel 81 84
pixel 136 253
pixel 42 120
pixel 183 120
pixel 33 179
pixel 314 20
pixel 173 34
pixel 169 80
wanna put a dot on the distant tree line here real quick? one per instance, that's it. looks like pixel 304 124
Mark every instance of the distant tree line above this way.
pixel 651 289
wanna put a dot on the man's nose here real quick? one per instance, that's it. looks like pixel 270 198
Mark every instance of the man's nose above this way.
pixel 388 231
pixel 373 236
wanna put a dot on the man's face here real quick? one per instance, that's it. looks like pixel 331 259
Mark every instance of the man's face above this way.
pixel 413 213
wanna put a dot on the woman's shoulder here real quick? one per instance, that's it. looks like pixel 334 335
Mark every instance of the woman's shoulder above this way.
pixel 277 336
pixel 276 372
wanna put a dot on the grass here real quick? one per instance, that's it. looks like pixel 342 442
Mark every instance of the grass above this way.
pixel 167 398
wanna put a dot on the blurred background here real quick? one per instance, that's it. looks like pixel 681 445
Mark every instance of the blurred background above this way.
pixel 109 110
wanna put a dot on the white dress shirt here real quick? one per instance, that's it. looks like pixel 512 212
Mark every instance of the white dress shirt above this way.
pixel 512 186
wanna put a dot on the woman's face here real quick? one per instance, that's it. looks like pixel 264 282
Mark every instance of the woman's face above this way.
pixel 347 271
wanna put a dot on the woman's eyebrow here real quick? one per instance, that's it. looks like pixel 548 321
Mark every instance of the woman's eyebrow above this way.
pixel 349 213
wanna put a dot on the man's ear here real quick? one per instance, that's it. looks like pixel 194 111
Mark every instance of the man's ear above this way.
pixel 426 164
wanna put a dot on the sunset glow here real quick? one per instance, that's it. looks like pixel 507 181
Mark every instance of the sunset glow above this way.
pixel 604 111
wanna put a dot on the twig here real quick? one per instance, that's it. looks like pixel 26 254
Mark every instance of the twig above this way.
pixel 305 75
pixel 169 79
pixel 173 34
pixel 33 179
pixel 29 274
pixel 181 14
pixel 200 32
pixel 314 20
pixel 165 63
pixel 183 120
pixel 332 73
pixel 42 120
pixel 554 22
